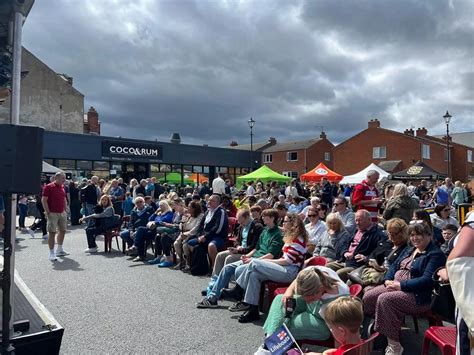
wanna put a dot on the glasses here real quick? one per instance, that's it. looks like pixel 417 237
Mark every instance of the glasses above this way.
pixel 312 215
pixel 417 221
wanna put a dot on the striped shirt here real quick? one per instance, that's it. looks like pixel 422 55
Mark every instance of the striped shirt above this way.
pixel 295 252
pixel 364 192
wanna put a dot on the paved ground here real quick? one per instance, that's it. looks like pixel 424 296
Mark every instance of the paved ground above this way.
pixel 107 304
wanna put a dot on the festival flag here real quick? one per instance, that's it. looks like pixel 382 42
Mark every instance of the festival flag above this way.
pixel 281 341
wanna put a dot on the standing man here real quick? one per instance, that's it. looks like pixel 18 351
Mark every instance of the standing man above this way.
pixel 54 204
pixel 366 195
pixel 326 192
pixel 117 195
pixel 89 197
pixel 218 185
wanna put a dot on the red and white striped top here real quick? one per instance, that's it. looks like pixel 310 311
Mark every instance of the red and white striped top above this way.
pixel 364 192
pixel 295 252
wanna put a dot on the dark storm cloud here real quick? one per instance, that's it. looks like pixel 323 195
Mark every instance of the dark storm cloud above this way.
pixel 203 68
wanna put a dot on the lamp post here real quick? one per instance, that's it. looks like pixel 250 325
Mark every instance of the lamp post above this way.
pixel 251 123
pixel 447 119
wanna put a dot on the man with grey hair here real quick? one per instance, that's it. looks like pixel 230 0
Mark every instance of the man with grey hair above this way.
pixel 54 203
pixel 365 241
pixel 366 195
pixel 345 214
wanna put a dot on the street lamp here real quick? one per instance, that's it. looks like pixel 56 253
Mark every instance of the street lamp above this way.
pixel 251 123
pixel 447 119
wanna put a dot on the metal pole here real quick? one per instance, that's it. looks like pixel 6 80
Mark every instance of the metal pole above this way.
pixel 251 148
pixel 9 240
pixel 447 148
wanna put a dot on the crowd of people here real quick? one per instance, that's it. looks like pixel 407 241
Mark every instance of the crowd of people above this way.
pixel 377 234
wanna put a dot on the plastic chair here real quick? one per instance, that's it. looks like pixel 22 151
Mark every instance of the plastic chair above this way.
pixel 355 290
pixel 230 232
pixel 317 261
pixel 363 348
pixel 443 337
pixel 125 221
pixel 110 234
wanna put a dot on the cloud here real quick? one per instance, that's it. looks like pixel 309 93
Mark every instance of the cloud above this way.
pixel 203 68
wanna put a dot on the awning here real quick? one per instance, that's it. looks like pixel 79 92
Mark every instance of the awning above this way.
pixel 319 172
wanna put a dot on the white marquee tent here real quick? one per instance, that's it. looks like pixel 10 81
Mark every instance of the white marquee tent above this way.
pixel 361 175
pixel 50 169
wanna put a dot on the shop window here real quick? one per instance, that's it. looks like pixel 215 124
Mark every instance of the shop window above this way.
pixel 84 165
pixel 66 164
pixel 176 168
pixel 222 170
pixel 154 168
pixel 187 169
pixel 102 165
pixel 165 168
pixel 205 169
pixel 197 169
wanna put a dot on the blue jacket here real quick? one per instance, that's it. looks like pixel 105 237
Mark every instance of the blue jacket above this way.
pixel 217 227
pixel 167 217
pixel 369 241
pixel 137 220
pixel 421 272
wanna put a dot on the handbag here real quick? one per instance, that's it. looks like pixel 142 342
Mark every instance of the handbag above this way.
pixel 442 300
pixel 356 275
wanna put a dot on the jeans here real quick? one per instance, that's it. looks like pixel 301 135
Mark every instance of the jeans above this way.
pixel 91 233
pixel 223 258
pixel 126 236
pixel 89 210
pixel 142 235
pixel 23 209
pixel 224 277
pixel 259 270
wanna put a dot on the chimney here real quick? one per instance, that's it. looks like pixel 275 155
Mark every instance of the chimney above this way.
pixel 272 140
pixel 322 135
pixel 374 123
pixel 421 132
pixel 234 144
pixel 175 138
pixel 409 132
pixel 93 121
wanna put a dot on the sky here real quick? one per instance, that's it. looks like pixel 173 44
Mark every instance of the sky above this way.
pixel 202 68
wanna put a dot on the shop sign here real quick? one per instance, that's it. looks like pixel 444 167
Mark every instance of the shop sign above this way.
pixel 132 150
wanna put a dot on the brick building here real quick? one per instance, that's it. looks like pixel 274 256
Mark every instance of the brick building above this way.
pixel 91 122
pixel 394 151
pixel 296 158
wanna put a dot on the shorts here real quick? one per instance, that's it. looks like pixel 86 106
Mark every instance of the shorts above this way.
pixel 218 242
pixel 57 221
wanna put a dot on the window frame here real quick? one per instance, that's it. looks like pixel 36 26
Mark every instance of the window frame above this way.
pixel 426 149
pixel 469 156
pixel 327 156
pixel 288 156
pixel 268 158
pixel 377 152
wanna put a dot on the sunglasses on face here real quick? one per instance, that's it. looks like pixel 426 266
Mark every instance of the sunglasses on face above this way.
pixel 312 215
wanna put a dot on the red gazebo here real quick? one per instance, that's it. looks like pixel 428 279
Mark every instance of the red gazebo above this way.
pixel 319 172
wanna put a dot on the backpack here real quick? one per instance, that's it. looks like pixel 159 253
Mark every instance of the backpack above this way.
pixel 199 262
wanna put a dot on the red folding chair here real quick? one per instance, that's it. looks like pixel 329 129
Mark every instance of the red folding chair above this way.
pixel 230 232
pixel 443 337
pixel 110 234
pixel 355 290
pixel 316 261
pixel 363 348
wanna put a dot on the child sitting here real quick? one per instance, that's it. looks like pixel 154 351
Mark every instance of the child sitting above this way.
pixel 344 317
pixel 449 231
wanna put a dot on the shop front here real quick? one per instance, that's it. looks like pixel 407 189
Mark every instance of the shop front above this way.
pixel 107 157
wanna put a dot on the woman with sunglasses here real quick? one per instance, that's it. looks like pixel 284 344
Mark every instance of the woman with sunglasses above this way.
pixel 442 217
pixel 407 287
pixel 315 228
pixel 250 276
pixel 420 216
pixel 314 288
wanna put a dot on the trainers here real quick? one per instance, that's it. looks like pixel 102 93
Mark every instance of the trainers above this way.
pixel 394 348
pixel 62 253
pixel 165 263
pixel 154 261
pixel 239 307
pixel 138 258
pixel 31 233
pixel 91 250
pixel 45 236
pixel 207 303
pixel 52 257
pixel 249 316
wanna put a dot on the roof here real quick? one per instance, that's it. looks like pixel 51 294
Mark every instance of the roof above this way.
pixel 464 138
pixel 6 8
pixel 417 171
pixel 289 146
pixel 389 165
pixel 256 146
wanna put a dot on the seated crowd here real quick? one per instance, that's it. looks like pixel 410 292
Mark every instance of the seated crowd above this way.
pixel 389 246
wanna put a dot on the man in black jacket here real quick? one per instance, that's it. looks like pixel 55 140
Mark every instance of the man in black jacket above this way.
pixel 212 231
pixel 366 239
pixel 247 233
pixel 89 197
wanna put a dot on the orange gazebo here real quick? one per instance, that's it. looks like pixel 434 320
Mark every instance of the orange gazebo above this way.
pixel 319 172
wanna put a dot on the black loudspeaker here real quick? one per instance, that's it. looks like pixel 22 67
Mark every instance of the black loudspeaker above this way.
pixel 21 158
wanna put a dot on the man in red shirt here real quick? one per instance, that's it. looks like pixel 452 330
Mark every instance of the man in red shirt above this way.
pixel 54 203
pixel 366 195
